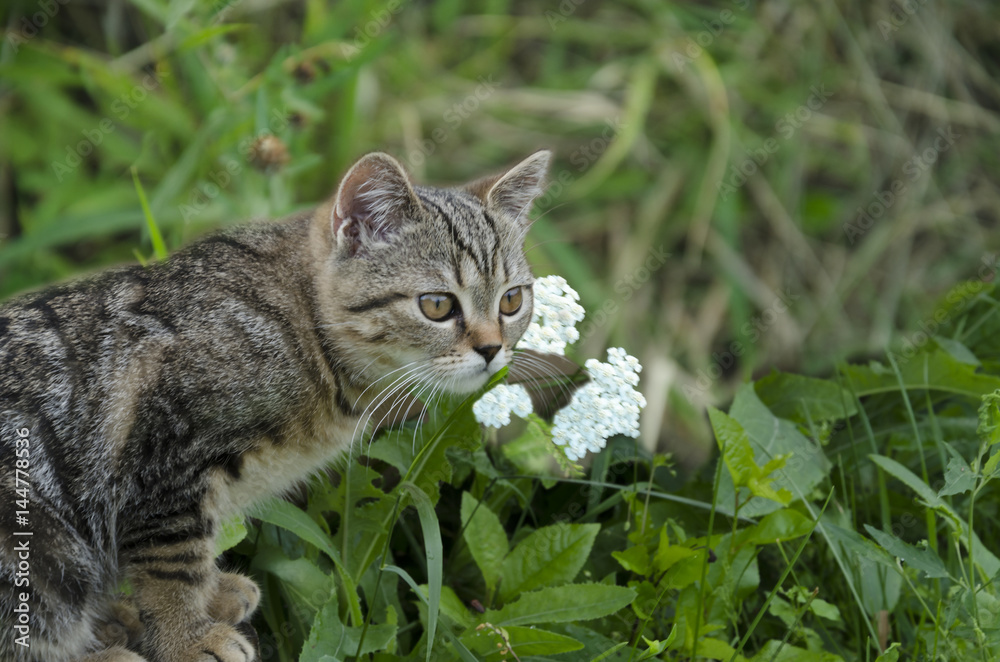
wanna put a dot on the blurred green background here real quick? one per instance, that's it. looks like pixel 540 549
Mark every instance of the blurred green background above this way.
pixel 738 185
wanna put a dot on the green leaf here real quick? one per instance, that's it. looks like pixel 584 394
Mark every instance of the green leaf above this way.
pixel 159 248
pixel 611 651
pixel 667 555
pixel 804 399
pixel 231 533
pixel 778 651
pixel 574 602
pixel 781 525
pixel 720 650
pixel 891 654
pixel 989 419
pixel 435 557
pixel 923 559
pixel 431 466
pixel 452 606
pixel 300 578
pixel 958 478
pixel 463 652
pixel 738 455
pixel 550 556
pixel 927 370
pixel 983 557
pixel 283 514
pixel 486 538
pixel 523 641
pixel 957 350
pixel 634 559
pixel 655 647
pixel 330 637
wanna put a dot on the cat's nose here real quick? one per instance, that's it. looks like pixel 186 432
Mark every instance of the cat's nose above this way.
pixel 487 352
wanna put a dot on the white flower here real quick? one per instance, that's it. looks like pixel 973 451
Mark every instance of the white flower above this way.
pixel 556 312
pixel 605 406
pixel 493 409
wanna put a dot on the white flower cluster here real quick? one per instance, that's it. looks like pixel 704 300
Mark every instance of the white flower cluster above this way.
pixel 605 406
pixel 556 312
pixel 493 409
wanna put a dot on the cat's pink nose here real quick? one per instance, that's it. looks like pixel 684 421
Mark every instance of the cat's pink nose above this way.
pixel 487 352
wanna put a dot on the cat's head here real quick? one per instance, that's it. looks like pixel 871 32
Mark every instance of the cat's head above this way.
pixel 427 287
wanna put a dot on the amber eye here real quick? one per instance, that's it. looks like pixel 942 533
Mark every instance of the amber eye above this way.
pixel 510 302
pixel 437 305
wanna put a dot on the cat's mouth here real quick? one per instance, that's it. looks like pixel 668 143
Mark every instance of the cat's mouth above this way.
pixel 469 380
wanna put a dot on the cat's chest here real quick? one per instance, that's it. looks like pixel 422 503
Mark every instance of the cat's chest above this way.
pixel 274 468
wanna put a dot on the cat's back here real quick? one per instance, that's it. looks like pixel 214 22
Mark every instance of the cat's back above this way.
pixel 213 340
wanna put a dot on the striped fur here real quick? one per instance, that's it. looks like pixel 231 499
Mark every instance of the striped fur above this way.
pixel 158 401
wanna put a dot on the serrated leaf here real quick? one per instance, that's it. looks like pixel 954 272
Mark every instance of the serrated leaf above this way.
pixel 486 538
pixel 958 478
pixel 523 641
pixel 804 399
pixel 924 560
pixel 560 604
pixel 330 637
pixel 549 556
pixel 936 370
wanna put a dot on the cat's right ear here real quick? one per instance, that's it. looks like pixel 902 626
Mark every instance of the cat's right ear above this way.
pixel 514 191
pixel 374 197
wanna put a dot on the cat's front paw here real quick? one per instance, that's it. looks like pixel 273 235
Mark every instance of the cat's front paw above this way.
pixel 222 644
pixel 235 599
pixel 121 627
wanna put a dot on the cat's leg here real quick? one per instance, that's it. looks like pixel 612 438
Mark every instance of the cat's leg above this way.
pixel 176 587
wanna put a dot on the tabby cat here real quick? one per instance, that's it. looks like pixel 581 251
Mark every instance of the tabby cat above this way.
pixel 142 406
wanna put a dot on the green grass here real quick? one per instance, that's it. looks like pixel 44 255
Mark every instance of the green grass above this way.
pixel 652 109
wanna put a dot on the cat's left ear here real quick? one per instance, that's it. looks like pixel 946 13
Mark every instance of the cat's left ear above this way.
pixel 515 190
pixel 374 198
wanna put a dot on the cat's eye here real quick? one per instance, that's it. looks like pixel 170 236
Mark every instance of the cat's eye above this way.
pixel 510 302
pixel 437 306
